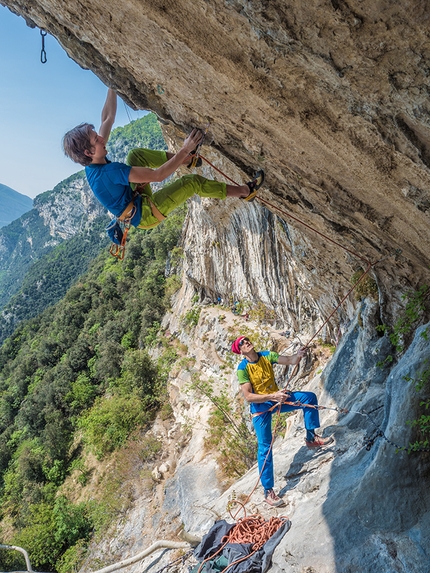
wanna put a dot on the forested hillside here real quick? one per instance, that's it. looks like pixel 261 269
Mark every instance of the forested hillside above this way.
pixel 43 282
pixel 144 132
pixel 47 249
pixel 78 380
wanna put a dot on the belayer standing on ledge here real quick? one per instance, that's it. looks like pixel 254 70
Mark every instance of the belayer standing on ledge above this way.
pixel 257 380
pixel 124 188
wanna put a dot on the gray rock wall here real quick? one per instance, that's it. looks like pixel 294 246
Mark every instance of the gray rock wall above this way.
pixel 331 98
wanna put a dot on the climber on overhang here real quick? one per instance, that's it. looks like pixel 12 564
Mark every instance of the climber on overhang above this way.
pixel 124 188
pixel 257 381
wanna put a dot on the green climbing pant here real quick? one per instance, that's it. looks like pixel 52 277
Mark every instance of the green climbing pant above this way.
pixel 173 194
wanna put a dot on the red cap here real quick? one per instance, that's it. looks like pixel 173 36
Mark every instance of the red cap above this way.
pixel 235 346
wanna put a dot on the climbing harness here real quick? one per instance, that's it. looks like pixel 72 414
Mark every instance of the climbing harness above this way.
pixel 43 57
pixel 117 235
pixel 114 229
pixel 298 404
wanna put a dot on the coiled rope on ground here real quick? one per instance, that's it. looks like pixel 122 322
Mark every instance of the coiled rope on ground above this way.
pixel 253 529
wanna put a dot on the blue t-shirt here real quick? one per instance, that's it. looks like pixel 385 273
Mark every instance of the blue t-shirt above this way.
pixel 109 183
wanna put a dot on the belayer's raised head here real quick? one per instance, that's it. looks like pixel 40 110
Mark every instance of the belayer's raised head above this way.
pixel 241 343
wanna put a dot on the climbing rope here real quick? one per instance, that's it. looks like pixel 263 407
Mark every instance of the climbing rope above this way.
pixel 285 213
pixel 253 529
pixel 370 266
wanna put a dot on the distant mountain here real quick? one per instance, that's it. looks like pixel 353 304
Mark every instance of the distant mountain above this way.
pixel 44 251
pixel 12 205
pixel 47 249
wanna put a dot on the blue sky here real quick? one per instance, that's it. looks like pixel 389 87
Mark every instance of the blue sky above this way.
pixel 39 103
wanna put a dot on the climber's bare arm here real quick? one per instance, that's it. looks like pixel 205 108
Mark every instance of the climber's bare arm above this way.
pixel 108 114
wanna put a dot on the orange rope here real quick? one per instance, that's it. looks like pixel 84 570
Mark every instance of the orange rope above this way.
pixel 355 254
pixel 253 530
pixel 366 272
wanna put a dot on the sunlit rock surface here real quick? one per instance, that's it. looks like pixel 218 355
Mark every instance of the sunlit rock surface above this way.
pixel 331 99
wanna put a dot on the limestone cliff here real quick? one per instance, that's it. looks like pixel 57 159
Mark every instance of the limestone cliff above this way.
pixel 57 215
pixel 331 99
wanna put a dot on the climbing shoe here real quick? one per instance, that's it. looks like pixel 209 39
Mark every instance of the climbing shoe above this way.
pixel 272 499
pixel 255 185
pixel 319 442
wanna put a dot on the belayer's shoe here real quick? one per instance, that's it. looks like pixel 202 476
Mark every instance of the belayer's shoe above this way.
pixel 255 185
pixel 319 442
pixel 272 499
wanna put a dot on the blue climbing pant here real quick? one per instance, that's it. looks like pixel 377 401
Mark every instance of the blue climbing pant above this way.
pixel 263 429
pixel 173 194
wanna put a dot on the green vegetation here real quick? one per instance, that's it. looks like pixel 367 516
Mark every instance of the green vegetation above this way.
pixel 77 379
pixel 416 308
pixel 24 240
pixel 415 312
pixel 228 433
pixel 191 317
pixel 36 269
pixel 365 287
pixel 422 422
pixel 144 132
pixel 330 347
pixel 48 279
pixel 261 313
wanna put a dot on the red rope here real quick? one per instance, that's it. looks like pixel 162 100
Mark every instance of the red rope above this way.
pixel 253 529
pixel 314 230
pixel 369 264
pixel 291 216
pixel 369 267
pixel 219 171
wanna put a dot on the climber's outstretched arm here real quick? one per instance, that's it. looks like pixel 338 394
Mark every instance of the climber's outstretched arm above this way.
pixel 108 114
pixel 146 175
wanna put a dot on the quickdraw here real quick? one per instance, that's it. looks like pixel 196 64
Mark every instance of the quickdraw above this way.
pixel 118 251
pixel 43 57
pixel 196 153
pixel 118 236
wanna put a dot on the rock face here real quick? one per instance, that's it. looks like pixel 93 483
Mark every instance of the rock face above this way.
pixel 331 99
pixel 360 504
pixel 60 236
pixel 57 215
pixel 69 208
